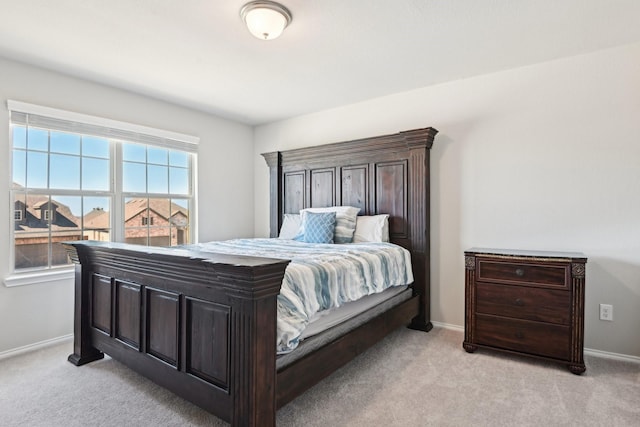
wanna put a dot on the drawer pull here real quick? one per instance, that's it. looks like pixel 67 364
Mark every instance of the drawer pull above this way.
pixel 519 335
pixel 519 302
pixel 520 272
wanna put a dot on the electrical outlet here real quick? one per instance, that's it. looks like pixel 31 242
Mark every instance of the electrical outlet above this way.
pixel 606 312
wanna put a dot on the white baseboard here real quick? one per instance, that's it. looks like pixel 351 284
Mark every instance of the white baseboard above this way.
pixel 610 355
pixel 457 328
pixel 587 351
pixel 449 326
pixel 36 346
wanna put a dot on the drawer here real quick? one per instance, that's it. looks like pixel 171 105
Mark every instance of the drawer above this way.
pixel 539 304
pixel 524 273
pixel 537 338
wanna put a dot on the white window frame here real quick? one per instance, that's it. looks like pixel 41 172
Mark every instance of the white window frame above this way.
pixel 124 131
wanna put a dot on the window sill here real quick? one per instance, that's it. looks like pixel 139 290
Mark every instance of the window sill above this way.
pixel 36 278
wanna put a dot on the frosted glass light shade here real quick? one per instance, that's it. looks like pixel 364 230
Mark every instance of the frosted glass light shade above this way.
pixel 265 19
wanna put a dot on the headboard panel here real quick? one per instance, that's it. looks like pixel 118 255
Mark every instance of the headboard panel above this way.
pixel 384 174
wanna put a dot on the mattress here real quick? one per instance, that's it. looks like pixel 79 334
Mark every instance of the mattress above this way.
pixel 329 318
pixel 321 276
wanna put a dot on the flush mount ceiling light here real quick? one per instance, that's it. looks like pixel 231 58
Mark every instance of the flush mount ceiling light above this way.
pixel 265 19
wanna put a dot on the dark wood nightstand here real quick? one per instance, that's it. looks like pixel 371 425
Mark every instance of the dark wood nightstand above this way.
pixel 526 302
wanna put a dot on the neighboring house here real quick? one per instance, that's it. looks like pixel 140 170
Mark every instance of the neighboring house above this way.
pixel 32 233
pixel 97 225
pixel 156 222
pixel 162 221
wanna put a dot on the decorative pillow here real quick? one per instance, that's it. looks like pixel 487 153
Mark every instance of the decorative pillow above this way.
pixel 345 221
pixel 290 226
pixel 318 227
pixel 374 228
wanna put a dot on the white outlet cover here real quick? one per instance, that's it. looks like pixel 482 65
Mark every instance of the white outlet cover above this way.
pixel 606 312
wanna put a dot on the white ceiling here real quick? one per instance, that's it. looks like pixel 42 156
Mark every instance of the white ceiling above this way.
pixel 197 53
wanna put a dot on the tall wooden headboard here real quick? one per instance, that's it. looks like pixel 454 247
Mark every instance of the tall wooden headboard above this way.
pixel 386 174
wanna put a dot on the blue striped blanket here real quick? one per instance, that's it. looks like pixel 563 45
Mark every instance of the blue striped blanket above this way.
pixel 321 276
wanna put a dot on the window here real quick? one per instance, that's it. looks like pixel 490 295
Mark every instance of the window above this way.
pixel 78 177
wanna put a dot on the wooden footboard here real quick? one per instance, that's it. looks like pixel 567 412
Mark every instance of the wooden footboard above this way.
pixel 202 326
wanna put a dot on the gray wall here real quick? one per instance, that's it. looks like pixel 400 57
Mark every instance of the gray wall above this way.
pixel 543 157
pixel 35 313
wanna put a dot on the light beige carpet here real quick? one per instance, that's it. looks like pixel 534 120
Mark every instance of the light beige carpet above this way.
pixel 409 379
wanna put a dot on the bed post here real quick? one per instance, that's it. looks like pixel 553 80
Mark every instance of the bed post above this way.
pixel 274 160
pixel 419 142
pixel 253 333
pixel 83 351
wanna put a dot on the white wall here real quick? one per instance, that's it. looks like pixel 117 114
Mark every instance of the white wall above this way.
pixel 34 313
pixel 543 157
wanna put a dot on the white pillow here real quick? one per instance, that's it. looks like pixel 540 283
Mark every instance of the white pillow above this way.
pixel 374 228
pixel 345 221
pixel 290 226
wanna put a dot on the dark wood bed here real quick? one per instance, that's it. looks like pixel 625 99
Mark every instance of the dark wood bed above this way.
pixel 204 326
